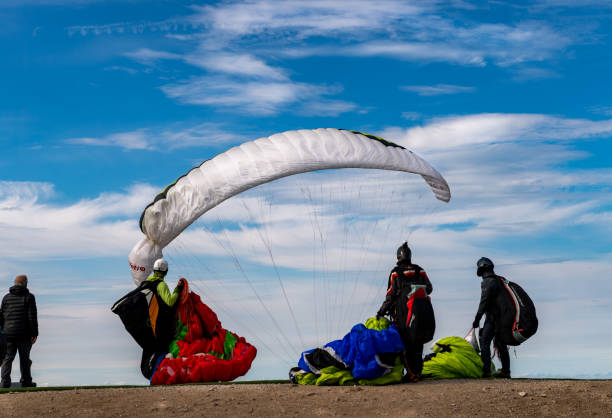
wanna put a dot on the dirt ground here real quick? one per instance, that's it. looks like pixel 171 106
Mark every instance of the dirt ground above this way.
pixel 518 397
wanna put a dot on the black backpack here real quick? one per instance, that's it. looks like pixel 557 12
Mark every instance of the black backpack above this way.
pixel 414 311
pixel 518 320
pixel 133 309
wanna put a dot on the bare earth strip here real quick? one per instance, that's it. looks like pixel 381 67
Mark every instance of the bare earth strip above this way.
pixel 519 397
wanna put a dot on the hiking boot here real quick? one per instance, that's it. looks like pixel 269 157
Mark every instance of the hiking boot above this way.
pixel 410 377
pixel 502 375
pixel 6 384
pixel 486 375
pixel 28 385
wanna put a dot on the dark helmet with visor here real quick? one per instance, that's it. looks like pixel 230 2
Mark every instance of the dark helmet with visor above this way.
pixel 404 253
pixel 483 265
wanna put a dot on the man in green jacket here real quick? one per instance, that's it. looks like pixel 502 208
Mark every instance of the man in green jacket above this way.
pixel 162 308
pixel 161 317
pixel 160 269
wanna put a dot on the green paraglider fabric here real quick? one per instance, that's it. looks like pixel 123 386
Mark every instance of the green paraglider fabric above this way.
pixel 453 357
pixel 332 376
pixel 377 323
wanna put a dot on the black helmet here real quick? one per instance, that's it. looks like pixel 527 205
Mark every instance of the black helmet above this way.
pixel 484 264
pixel 404 253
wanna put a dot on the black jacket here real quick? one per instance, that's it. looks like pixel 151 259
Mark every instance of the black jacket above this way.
pixel 490 288
pixel 405 272
pixel 18 315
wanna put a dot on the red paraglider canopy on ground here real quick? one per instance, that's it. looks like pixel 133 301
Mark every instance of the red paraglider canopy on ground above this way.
pixel 203 350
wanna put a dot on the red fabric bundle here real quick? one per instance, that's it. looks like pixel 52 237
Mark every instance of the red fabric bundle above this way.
pixel 205 335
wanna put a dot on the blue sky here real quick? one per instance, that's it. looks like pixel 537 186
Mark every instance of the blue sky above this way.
pixel 103 104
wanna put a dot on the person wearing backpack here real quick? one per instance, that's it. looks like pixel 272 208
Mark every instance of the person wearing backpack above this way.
pixel 491 287
pixel 161 315
pixel 19 321
pixel 407 290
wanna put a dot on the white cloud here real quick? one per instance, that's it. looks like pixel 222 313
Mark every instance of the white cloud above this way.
pixel 328 107
pixel 120 68
pixel 489 128
pixel 254 96
pixel 418 51
pixel 237 64
pixel 416 32
pixel 147 56
pixel 235 43
pixel 14 194
pixel 33 229
pixel 314 18
pixel 438 89
pixel 126 28
pixel 412 115
pixel 161 139
pixel 133 140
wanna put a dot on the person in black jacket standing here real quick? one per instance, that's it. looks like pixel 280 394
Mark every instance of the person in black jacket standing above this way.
pixel 18 319
pixel 403 277
pixel 490 288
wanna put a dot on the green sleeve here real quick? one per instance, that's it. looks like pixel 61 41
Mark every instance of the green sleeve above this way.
pixel 164 293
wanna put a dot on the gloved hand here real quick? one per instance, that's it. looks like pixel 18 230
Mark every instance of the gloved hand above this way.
pixel 475 324
pixel 181 286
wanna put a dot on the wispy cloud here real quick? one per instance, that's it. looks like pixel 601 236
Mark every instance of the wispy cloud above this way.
pixel 416 51
pixel 412 115
pixel 128 140
pixel 34 228
pixel 418 32
pixel 255 96
pixel 13 194
pixel 121 68
pixel 245 83
pixel 496 127
pixel 438 89
pixel 238 64
pixel 147 55
pixel 316 18
pixel 122 28
pixel 243 48
pixel 166 138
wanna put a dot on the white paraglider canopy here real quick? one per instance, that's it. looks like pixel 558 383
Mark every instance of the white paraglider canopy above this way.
pixel 257 162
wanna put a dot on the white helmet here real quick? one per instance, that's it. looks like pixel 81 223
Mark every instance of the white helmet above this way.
pixel 160 265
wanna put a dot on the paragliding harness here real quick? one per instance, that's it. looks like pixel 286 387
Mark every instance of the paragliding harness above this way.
pixel 149 321
pixel 518 320
pixel 414 311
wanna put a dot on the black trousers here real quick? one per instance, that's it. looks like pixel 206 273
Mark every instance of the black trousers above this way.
pixel 414 357
pixel 22 345
pixel 487 335
pixel 413 352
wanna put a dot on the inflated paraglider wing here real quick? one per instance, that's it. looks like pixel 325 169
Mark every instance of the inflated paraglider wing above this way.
pixel 260 161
